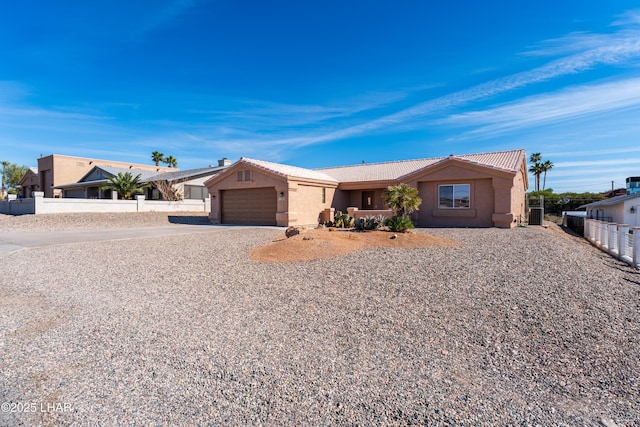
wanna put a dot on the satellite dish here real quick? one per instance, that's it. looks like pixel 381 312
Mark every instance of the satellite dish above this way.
pixel 565 200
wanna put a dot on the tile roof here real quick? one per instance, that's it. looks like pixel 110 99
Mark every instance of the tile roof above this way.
pixel 287 170
pixel 186 174
pixel 144 175
pixel 149 176
pixel 504 160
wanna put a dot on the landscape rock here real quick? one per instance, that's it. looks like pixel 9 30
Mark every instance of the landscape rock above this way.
pixel 294 231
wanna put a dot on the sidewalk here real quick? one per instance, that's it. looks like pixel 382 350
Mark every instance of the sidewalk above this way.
pixel 13 241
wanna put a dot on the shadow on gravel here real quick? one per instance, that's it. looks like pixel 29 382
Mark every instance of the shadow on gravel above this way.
pixel 635 282
pixel 189 219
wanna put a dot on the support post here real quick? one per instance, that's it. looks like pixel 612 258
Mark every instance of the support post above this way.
pixel 140 204
pixel 611 242
pixel 38 202
pixel 636 247
pixel 623 236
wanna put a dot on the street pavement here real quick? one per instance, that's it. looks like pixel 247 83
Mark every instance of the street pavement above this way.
pixel 12 241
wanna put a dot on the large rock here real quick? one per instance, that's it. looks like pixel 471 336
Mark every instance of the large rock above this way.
pixel 294 231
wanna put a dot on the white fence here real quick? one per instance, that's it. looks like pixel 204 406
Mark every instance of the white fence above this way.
pixel 614 239
pixel 41 205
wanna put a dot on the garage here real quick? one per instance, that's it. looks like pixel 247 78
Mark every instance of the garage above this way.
pixel 256 206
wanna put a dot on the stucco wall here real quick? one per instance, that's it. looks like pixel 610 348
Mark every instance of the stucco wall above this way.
pixel 619 214
pixel 17 207
pixel 305 203
pixel 341 200
pixel 478 215
pixel 40 205
pixel 518 197
pixel 197 181
pixel 187 205
pixel 355 198
pixel 633 219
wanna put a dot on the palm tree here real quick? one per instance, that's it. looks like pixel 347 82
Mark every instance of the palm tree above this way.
pixel 535 158
pixel 536 170
pixel 536 167
pixel 171 161
pixel 402 199
pixel 126 185
pixel 5 165
pixel 157 157
pixel 546 166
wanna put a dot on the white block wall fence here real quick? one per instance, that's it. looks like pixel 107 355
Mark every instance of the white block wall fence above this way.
pixel 41 205
pixel 614 239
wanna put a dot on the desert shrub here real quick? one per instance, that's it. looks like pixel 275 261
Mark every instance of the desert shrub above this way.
pixel 369 222
pixel 340 220
pixel 398 223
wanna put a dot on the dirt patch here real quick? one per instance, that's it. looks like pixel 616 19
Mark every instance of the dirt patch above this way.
pixel 319 244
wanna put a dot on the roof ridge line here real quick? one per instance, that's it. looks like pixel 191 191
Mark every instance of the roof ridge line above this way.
pixel 421 159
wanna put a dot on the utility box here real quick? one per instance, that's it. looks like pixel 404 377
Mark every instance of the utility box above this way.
pixel 536 215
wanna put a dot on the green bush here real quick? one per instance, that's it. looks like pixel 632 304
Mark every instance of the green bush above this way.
pixel 402 199
pixel 340 220
pixel 399 223
pixel 370 222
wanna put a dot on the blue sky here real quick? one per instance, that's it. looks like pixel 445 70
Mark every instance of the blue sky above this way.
pixel 324 83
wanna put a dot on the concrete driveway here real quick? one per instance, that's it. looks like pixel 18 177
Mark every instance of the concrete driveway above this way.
pixel 12 241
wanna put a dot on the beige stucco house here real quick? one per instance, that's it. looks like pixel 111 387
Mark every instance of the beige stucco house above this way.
pixel 29 183
pixel 56 169
pixel 188 184
pixel 475 190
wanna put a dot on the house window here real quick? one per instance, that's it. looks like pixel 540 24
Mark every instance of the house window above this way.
pixel 454 196
pixel 240 176
pixel 324 195
pixel 247 175
pixel 195 192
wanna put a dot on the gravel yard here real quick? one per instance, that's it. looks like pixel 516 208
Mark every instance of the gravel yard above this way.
pixel 511 327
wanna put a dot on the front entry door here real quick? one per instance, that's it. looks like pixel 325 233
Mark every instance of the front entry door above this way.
pixel 367 200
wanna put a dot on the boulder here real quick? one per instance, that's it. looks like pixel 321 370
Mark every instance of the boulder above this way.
pixel 294 231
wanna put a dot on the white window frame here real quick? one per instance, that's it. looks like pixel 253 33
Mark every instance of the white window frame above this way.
pixel 453 200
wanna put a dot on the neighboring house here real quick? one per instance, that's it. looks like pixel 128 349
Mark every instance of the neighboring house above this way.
pixel 29 183
pixel 620 210
pixel 614 193
pixel 633 184
pixel 91 184
pixel 56 170
pixel 476 190
pixel 189 183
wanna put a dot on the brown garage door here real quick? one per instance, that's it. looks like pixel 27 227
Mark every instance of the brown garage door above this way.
pixel 251 206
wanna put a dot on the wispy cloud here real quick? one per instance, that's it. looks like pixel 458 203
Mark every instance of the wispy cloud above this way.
pixel 582 52
pixel 167 14
pixel 268 115
pixel 630 17
pixel 538 110
pixel 599 152
pixel 631 161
